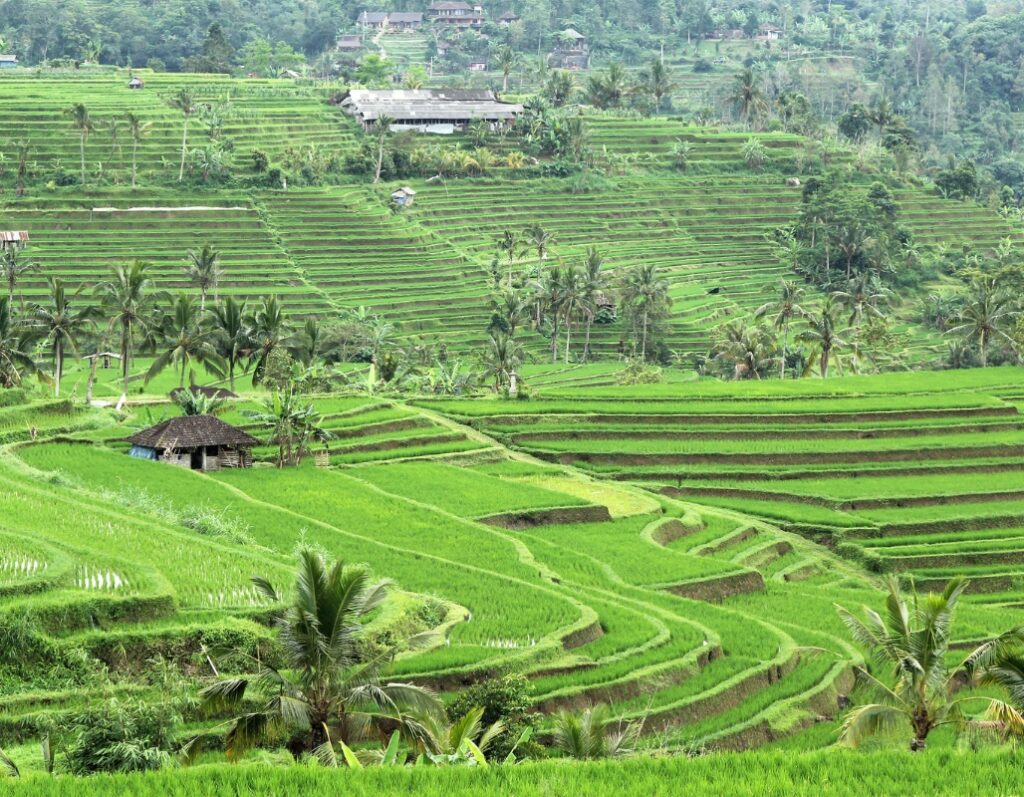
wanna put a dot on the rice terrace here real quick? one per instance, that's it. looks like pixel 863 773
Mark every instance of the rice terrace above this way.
pixel 526 398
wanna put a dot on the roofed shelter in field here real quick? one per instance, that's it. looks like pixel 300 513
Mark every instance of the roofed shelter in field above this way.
pixel 429 110
pixel 199 442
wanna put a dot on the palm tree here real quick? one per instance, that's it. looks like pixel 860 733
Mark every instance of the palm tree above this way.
pixel 512 308
pixel 507 59
pixel 658 82
pixel 502 357
pixel 128 301
pixel 183 101
pixel 81 122
pixel 539 239
pixel 645 295
pixel 864 296
pixel 61 324
pixel 137 129
pixel 325 691
pixel 882 114
pixel 823 332
pixel 186 341
pixel 549 304
pixel 509 243
pixel 269 330
pixel 17 347
pixel 592 290
pixel 383 127
pixel 750 349
pixel 113 128
pixel 14 269
pixel 24 148
pixel 987 310
pixel 572 297
pixel 230 326
pixel 914 639
pixel 593 734
pixel 784 308
pixel 747 98
pixel 204 272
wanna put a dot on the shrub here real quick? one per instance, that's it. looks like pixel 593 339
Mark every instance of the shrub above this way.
pixel 505 699
pixel 119 736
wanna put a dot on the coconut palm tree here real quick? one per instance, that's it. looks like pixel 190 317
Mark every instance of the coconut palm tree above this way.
pixel 17 347
pixel 502 357
pixel 506 59
pixel 14 268
pixel 268 332
pixel 913 638
pixel 657 80
pixel 535 237
pixel 61 324
pixel 863 296
pixel 24 148
pixel 572 298
pixel 594 733
pixel 231 325
pixel 137 129
pixel 512 307
pixel 185 103
pixel 549 304
pixel 128 300
pixel 752 350
pixel 186 341
pixel 81 121
pixel 645 296
pixel 986 312
pixel 783 309
pixel 325 691
pixel 204 272
pixel 593 288
pixel 822 332
pixel 509 243
pixel 383 128
pixel 747 97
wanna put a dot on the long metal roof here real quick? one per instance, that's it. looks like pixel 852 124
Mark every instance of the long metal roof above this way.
pixel 422 104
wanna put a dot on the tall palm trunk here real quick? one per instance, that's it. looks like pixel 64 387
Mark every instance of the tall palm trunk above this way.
pixel 785 348
pixel 135 152
pixel 184 149
pixel 825 355
pixel 643 339
pixel 380 159
pixel 983 350
pixel 81 153
pixel 568 335
pixel 586 342
pixel 58 365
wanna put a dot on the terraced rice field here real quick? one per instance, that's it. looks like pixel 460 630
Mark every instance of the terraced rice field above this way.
pixel 926 483
pixel 556 545
pixel 271 115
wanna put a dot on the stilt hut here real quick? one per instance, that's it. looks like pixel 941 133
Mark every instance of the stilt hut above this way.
pixel 199 442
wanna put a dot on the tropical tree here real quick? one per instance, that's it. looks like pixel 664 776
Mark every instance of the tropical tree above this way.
pixel 82 122
pixel 592 290
pixel 137 129
pixel 17 347
pixel 988 309
pixel 506 59
pixel 24 149
pixel 783 309
pixel 594 733
pixel 61 323
pixel 204 272
pixel 822 332
pixel 383 128
pixel 752 350
pixel 572 298
pixel 294 424
pixel 747 98
pixel 657 81
pixel 864 296
pixel 185 103
pixel 509 243
pixel 913 639
pixel 186 341
pixel 646 299
pixel 268 332
pixel 14 268
pixel 127 300
pixel 502 357
pixel 325 691
pixel 538 239
pixel 230 327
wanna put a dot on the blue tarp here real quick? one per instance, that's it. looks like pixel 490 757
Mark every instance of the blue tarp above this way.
pixel 141 452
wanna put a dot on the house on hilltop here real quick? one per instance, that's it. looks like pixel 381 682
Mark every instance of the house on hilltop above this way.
pixel 8 61
pixel 349 43
pixel 571 51
pixel 376 20
pixel 429 110
pixel 508 18
pixel 456 14
pixel 770 32
pixel 198 442
pixel 405 20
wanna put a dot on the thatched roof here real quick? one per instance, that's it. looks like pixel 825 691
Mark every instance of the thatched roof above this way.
pixel 192 431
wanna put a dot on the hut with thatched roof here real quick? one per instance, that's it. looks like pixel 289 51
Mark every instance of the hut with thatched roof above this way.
pixel 199 442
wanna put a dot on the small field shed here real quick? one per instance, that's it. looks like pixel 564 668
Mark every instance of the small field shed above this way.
pixel 199 442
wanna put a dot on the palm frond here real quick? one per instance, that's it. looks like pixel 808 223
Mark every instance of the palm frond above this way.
pixel 7 766
pixel 225 694
pixel 870 720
